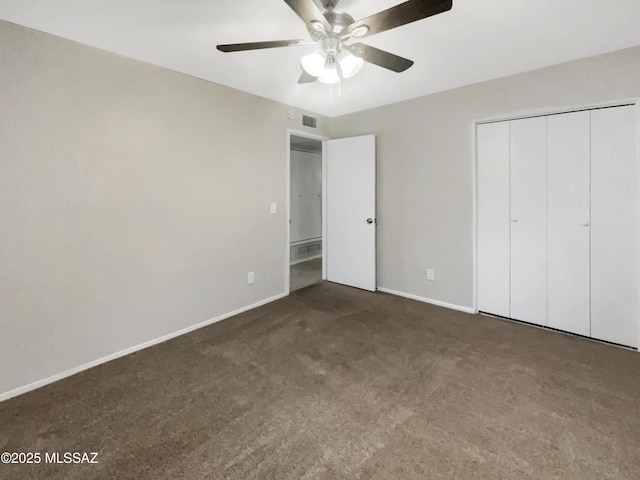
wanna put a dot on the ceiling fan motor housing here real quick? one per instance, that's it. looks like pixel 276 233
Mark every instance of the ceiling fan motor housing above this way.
pixel 339 21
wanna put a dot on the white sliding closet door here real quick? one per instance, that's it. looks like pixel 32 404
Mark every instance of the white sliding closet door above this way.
pixel 568 222
pixel 614 221
pixel 529 220
pixel 493 218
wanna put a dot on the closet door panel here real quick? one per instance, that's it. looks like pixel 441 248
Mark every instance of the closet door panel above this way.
pixel 493 218
pixel 529 220
pixel 568 222
pixel 614 221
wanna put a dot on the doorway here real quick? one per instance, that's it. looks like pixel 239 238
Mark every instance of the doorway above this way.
pixel 305 211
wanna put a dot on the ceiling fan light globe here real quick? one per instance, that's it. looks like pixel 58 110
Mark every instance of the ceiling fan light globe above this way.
pixel 314 63
pixel 329 75
pixel 350 65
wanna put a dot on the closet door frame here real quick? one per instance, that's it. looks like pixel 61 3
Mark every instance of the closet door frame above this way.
pixel 540 113
pixel 287 206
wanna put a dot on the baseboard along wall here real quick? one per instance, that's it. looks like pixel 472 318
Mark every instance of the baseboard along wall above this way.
pixel 72 371
pixel 427 300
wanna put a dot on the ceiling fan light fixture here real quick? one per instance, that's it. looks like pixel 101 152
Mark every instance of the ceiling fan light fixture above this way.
pixel 349 64
pixel 360 31
pixel 331 29
pixel 314 63
pixel 330 74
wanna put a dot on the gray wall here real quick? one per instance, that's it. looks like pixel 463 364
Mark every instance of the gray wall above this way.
pixel 132 204
pixel 426 165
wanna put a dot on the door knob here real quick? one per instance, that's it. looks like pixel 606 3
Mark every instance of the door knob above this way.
pixel 370 221
pixel 514 220
pixel 585 224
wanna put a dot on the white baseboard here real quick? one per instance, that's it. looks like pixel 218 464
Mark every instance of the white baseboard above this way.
pixel 427 300
pixel 67 373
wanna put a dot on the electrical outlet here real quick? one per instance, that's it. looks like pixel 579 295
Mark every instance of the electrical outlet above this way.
pixel 431 274
pixel 250 278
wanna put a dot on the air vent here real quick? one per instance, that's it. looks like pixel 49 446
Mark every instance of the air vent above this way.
pixel 308 249
pixel 309 121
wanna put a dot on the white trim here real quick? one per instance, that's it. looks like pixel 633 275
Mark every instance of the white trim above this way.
pixel 324 211
pixel 72 371
pixel 287 202
pixel 428 300
pixel 306 259
pixel 637 252
pixel 287 256
pixel 474 216
pixel 546 111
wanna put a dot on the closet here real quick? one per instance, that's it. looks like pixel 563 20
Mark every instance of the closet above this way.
pixel 557 232
pixel 305 199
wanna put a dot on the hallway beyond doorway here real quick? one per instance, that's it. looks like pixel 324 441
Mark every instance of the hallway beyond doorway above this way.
pixel 305 273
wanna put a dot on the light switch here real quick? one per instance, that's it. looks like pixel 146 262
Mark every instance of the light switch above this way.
pixel 274 208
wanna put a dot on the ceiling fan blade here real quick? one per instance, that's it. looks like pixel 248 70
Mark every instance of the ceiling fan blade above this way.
pixel 239 47
pixel 308 11
pixel 381 58
pixel 402 14
pixel 306 78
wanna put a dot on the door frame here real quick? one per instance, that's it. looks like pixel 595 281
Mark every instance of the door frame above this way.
pixel 538 112
pixel 287 256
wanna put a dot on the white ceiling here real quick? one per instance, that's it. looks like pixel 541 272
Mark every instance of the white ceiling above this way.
pixel 477 40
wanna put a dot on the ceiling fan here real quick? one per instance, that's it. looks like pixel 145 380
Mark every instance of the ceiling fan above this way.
pixel 331 29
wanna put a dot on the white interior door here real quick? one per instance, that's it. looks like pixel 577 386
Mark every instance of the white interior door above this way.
pixel 350 211
pixel 569 217
pixel 529 220
pixel 493 218
pixel 614 226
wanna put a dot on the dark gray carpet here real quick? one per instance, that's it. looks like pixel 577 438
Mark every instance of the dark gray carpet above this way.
pixel 337 383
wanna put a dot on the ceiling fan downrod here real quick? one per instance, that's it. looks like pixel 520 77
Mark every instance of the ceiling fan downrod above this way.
pixel 329 4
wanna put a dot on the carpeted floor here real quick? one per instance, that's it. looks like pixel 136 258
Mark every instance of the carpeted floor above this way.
pixel 304 274
pixel 336 383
